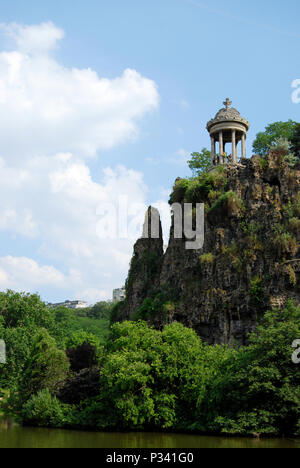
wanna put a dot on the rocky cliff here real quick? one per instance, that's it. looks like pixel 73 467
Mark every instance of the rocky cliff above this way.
pixel 250 261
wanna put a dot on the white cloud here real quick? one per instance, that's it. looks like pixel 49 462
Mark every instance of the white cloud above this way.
pixel 52 118
pixel 64 215
pixel 46 107
pixel 17 271
pixel 34 39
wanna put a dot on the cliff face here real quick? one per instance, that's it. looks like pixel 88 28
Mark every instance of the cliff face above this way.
pixel 250 261
pixel 145 268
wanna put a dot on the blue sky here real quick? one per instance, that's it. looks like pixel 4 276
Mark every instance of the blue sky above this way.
pixel 195 54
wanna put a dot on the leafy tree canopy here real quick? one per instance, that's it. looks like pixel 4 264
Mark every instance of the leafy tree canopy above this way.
pixel 265 140
pixel 24 310
pixel 200 162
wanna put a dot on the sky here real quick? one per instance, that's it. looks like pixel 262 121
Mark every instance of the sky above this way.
pixel 101 104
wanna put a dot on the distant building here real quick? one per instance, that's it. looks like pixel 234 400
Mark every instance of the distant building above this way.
pixel 70 305
pixel 119 295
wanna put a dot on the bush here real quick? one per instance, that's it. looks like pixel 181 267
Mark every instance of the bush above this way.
pixel 256 292
pixel 207 258
pixel 197 190
pixel 285 243
pixel 230 201
pixel 294 225
pixel 161 304
pixel 292 276
pixel 179 190
pixel 44 410
pixel 232 252
pixel 296 205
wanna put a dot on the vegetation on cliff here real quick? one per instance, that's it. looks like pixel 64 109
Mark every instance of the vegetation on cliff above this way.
pixel 250 259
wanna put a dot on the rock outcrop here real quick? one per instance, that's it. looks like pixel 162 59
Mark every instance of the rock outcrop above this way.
pixel 250 261
pixel 145 268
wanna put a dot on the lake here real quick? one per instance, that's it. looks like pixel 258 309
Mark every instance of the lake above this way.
pixel 14 436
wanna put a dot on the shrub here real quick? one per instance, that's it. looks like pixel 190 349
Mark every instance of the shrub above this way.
pixel 44 410
pixel 179 190
pixel 292 276
pixel 256 292
pixel 207 258
pixel 160 304
pixel 230 201
pixel 196 190
pixel 232 252
pixel 285 243
pixel 296 205
pixel 289 209
pixel 251 228
pixel 294 225
pixel 263 163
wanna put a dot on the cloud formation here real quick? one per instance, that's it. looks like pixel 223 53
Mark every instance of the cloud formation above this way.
pixel 56 203
pixel 48 107
pixel 52 120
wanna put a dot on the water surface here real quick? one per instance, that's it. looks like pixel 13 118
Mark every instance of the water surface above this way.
pixel 14 436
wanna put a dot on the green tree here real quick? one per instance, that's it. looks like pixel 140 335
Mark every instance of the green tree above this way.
pixel 64 325
pixel 18 347
pixel 24 310
pixel 264 140
pixel 200 162
pixel 46 366
pixel 151 378
pixel 101 310
pixel 283 146
pixel 79 337
pixel 257 389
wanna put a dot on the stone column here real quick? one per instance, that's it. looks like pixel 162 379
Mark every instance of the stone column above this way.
pixel 243 146
pixel 221 147
pixel 213 150
pixel 234 155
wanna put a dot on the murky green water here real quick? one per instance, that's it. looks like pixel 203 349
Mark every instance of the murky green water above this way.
pixel 13 436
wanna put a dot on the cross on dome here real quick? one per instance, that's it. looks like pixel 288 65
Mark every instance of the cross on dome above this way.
pixel 227 103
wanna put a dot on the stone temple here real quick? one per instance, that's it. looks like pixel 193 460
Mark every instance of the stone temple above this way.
pixel 228 126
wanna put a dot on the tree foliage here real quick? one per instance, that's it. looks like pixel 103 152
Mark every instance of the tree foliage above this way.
pixel 257 390
pixel 200 162
pixel 151 379
pixel 265 140
pixel 46 366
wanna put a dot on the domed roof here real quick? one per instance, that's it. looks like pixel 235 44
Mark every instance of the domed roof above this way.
pixel 228 114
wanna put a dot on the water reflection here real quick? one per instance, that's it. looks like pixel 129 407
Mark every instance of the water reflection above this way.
pixel 14 436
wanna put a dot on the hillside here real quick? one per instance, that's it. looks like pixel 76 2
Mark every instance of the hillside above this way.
pixel 250 261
